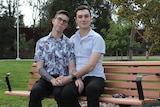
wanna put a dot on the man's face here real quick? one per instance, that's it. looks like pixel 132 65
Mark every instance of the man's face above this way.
pixel 60 22
pixel 83 19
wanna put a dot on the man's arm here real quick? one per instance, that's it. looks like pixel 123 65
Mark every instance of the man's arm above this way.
pixel 90 66
pixel 43 72
pixel 78 81
pixel 72 67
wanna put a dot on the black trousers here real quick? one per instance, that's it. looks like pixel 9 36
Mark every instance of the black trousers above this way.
pixel 43 88
pixel 67 95
pixel 93 88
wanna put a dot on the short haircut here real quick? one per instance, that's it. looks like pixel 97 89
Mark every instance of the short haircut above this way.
pixel 82 7
pixel 62 12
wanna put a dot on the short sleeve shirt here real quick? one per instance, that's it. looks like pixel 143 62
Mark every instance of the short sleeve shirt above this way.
pixel 84 47
pixel 55 54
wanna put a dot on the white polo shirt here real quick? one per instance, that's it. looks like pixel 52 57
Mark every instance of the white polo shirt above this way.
pixel 84 47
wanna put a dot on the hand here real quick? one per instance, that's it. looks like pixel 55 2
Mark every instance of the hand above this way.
pixel 62 80
pixel 66 79
pixel 79 83
pixel 57 81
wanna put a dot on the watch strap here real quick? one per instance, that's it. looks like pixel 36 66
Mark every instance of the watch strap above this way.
pixel 73 77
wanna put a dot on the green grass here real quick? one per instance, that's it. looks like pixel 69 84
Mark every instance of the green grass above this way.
pixel 19 80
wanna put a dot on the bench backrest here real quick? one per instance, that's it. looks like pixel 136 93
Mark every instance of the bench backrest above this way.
pixel 121 78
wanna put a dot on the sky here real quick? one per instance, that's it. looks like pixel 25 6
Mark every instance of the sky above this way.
pixel 26 10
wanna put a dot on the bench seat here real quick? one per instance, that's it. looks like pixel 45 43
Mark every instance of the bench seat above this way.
pixel 18 93
pixel 127 101
pixel 123 101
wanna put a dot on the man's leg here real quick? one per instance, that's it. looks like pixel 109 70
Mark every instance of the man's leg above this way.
pixel 70 94
pixel 94 86
pixel 40 90
pixel 57 93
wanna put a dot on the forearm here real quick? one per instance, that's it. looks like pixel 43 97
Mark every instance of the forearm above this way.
pixel 84 70
pixel 72 67
pixel 44 74
pixel 94 58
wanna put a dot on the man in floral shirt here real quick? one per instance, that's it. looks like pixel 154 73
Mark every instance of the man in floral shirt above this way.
pixel 55 59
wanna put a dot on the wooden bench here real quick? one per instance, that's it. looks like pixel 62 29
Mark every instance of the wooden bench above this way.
pixel 139 81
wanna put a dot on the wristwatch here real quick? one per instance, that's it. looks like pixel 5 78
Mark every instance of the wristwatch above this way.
pixel 73 77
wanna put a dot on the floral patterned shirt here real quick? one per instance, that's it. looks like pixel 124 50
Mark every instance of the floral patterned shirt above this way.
pixel 55 54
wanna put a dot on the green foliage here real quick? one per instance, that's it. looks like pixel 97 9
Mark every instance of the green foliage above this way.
pixel 100 10
pixel 117 37
pixel 7 28
pixel 7 31
pixel 145 12
pixel 24 44
pixel 7 35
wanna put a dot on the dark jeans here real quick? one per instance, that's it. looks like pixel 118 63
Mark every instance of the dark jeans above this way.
pixel 67 96
pixel 93 88
pixel 42 88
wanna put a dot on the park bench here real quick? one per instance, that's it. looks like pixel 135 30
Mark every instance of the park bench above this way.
pixel 137 81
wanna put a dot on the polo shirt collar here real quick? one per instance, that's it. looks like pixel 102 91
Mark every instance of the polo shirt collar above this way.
pixel 90 33
pixel 50 36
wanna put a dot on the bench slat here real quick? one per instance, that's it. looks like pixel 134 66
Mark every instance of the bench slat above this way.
pixel 35 76
pixel 138 70
pixel 131 77
pixel 151 94
pixel 17 93
pixel 126 101
pixel 120 85
pixel 119 77
pixel 131 63
pixel 34 69
pixel 32 82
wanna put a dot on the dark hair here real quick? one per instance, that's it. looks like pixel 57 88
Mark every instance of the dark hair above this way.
pixel 62 12
pixel 82 7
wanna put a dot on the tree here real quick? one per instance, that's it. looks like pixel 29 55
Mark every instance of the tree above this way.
pixel 37 11
pixel 100 10
pixel 142 12
pixel 117 37
pixel 7 28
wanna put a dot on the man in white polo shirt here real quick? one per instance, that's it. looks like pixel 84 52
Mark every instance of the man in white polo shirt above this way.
pixel 89 51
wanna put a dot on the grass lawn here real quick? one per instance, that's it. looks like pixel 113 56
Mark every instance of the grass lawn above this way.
pixel 19 80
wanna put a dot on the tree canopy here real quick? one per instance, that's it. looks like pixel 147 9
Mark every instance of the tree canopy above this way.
pixel 142 12
pixel 8 28
pixel 117 37
pixel 100 12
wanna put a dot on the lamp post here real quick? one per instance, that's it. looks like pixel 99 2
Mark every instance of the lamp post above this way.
pixel 17 11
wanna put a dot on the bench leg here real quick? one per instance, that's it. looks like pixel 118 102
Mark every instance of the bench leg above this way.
pixel 120 105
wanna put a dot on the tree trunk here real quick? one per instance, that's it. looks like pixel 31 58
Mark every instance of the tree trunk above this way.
pixel 131 43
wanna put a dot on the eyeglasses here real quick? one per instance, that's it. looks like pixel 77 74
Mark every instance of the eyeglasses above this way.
pixel 60 19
